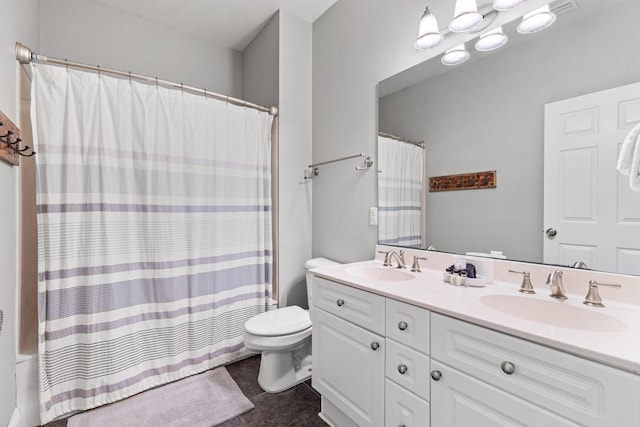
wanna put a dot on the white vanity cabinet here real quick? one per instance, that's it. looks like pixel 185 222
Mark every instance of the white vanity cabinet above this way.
pixel 487 378
pixel 349 351
pixel 378 361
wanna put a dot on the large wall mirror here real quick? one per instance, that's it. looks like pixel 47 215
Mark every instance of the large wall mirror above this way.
pixel 488 114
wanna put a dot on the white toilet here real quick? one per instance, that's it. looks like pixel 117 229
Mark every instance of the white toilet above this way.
pixel 283 336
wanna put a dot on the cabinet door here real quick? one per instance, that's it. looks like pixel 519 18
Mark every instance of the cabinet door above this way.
pixel 458 400
pixel 348 368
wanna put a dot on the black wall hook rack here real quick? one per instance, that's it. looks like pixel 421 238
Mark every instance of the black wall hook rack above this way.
pixel 10 149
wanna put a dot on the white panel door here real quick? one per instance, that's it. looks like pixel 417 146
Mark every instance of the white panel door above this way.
pixel 586 200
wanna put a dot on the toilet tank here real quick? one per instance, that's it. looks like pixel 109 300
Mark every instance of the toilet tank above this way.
pixel 314 263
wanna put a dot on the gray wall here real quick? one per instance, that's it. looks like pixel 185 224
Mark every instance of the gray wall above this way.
pixel 260 66
pixel 93 33
pixel 277 71
pixel 354 47
pixel 295 153
pixel 20 23
pixel 489 115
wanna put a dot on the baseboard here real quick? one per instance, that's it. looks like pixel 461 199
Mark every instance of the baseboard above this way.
pixel 15 418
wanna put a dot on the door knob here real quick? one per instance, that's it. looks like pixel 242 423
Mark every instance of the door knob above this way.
pixel 551 232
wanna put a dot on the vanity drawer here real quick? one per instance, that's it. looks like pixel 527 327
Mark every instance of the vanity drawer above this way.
pixel 408 325
pixel 408 368
pixel 581 390
pixel 359 307
pixel 403 408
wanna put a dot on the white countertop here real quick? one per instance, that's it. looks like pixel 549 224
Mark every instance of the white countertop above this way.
pixel 427 289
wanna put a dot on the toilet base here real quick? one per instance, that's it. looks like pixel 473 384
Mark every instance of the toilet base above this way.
pixel 280 371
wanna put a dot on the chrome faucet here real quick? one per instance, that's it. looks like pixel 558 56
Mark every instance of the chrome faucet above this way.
pixel 399 258
pixel 555 282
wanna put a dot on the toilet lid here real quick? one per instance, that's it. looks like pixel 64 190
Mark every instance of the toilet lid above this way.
pixel 283 321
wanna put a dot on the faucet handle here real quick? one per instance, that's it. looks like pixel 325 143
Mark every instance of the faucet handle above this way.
pixel 401 256
pixel 593 295
pixel 386 261
pixel 526 287
pixel 416 265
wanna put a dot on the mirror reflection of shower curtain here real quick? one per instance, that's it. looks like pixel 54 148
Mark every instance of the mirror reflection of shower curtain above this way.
pixel 399 193
pixel 154 234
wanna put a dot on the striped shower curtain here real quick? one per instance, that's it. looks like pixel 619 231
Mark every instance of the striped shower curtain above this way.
pixel 399 193
pixel 154 234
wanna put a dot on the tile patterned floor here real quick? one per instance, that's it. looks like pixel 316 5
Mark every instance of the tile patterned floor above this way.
pixel 298 406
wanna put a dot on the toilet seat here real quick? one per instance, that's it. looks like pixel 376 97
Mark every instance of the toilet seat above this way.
pixel 279 322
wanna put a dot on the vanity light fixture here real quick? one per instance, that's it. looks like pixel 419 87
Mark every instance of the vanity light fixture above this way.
pixel 466 16
pixel 491 40
pixel 536 20
pixel 455 56
pixel 502 5
pixel 428 35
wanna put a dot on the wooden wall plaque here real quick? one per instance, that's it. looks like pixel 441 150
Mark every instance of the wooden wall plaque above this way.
pixel 465 181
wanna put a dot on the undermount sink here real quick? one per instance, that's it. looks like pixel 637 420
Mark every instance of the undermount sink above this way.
pixel 384 274
pixel 554 313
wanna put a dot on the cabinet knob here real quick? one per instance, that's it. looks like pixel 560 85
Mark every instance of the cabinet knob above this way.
pixel 340 302
pixel 402 325
pixel 375 345
pixel 436 375
pixel 402 369
pixel 508 368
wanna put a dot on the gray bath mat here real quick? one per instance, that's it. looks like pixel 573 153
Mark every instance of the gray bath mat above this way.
pixel 202 400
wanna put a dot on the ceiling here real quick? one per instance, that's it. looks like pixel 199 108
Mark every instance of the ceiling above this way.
pixel 227 23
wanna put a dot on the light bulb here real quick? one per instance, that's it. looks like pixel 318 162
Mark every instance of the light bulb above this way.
pixel 455 56
pixel 491 40
pixel 537 20
pixel 428 33
pixel 502 5
pixel 466 16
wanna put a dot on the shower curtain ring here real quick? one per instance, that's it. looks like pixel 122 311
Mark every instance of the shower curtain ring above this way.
pixel 156 82
pixel 129 76
pixel 205 94
pixel 66 64
pixel 182 88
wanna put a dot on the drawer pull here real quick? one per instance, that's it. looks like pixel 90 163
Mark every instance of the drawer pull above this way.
pixel 402 369
pixel 402 325
pixel 436 375
pixel 340 302
pixel 508 368
pixel 375 346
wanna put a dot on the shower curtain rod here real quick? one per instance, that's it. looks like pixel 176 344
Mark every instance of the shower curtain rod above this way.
pixel 401 139
pixel 24 55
